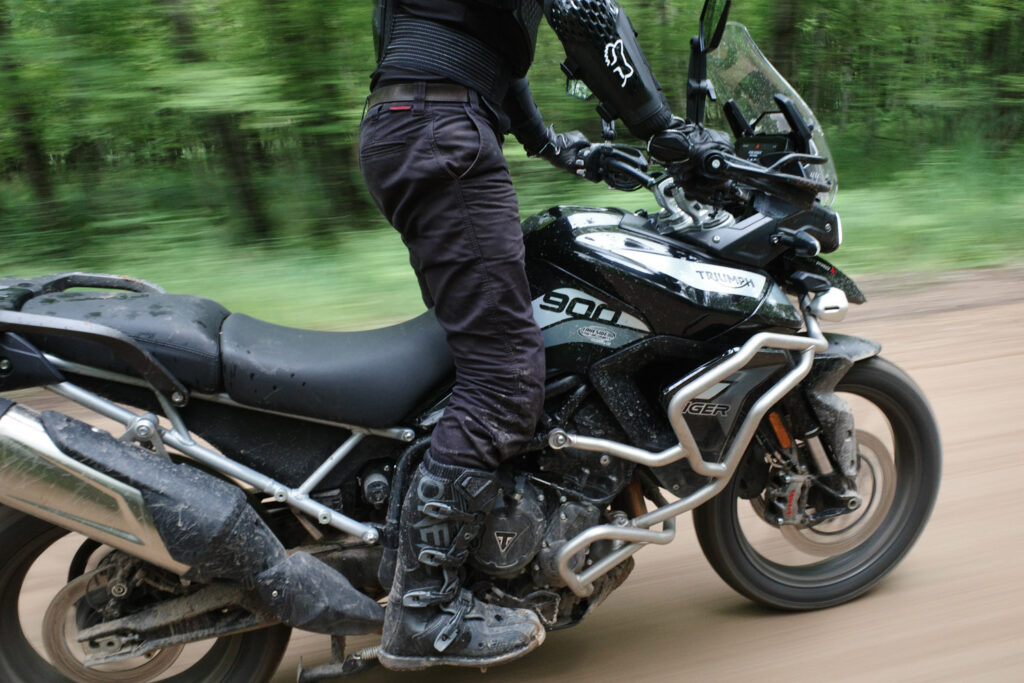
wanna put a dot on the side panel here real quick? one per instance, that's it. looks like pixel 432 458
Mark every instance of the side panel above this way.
pixel 674 289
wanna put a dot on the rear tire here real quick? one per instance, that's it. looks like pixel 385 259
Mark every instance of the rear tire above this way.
pixel 243 658
pixel 746 551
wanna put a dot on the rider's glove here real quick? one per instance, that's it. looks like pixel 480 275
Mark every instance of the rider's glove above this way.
pixel 684 142
pixel 562 149
pixel 620 166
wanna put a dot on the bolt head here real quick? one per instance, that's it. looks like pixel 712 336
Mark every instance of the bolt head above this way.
pixel 605 461
pixel 177 398
pixel 716 164
pixel 5 364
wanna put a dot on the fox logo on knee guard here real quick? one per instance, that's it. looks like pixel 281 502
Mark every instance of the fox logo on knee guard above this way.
pixel 615 58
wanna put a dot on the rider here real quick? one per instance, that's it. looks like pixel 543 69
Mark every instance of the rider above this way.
pixel 450 82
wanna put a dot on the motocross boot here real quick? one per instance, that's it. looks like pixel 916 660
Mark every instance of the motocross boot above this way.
pixel 430 618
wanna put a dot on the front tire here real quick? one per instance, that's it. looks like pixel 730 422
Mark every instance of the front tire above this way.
pixel 898 436
pixel 35 565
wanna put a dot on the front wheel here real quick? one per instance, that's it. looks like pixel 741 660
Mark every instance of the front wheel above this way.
pixel 802 569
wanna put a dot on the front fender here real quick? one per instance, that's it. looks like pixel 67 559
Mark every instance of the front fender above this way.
pixel 832 364
pixel 833 413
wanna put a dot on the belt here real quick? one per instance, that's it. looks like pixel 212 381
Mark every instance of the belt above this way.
pixel 428 92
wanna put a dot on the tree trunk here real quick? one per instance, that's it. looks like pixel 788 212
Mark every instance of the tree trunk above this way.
pixel 26 127
pixel 786 16
pixel 224 127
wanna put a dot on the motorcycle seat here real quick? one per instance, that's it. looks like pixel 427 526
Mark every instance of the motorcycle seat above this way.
pixel 182 332
pixel 372 378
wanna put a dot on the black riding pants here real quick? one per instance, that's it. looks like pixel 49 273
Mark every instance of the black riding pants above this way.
pixel 436 172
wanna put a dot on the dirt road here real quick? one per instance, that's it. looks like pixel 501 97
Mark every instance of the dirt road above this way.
pixel 952 611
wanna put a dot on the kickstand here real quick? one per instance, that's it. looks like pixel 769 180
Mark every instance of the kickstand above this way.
pixel 355 663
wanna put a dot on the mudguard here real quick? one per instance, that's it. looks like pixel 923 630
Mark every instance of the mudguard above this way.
pixel 833 412
pixel 831 365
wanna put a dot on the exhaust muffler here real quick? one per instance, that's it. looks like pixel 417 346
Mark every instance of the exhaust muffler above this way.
pixel 173 516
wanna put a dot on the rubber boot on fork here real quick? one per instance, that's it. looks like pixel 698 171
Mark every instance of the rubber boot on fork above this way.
pixel 431 620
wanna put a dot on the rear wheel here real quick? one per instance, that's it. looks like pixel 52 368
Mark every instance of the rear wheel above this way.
pixel 899 456
pixel 45 595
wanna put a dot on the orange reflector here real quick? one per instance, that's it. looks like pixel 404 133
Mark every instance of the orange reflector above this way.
pixel 780 430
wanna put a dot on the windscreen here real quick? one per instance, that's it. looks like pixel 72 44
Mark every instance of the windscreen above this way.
pixel 740 72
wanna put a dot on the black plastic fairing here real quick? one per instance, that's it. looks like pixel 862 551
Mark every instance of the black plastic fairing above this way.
pixel 23 366
pixel 832 364
pixel 675 289
pixel 835 277
pixel 120 349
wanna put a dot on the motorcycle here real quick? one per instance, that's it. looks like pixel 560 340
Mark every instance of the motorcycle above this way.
pixel 256 481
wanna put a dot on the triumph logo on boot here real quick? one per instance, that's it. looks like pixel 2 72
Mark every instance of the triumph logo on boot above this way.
pixel 615 59
pixel 504 540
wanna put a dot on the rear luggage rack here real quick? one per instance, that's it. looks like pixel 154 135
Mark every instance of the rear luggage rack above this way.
pixel 15 292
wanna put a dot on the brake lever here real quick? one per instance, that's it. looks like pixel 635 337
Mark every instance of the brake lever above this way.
pixel 717 163
pixel 617 166
pixel 795 156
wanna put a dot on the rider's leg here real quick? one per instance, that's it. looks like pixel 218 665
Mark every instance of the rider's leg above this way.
pixel 438 175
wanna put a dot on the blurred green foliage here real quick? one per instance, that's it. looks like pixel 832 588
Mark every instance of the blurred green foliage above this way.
pixel 211 144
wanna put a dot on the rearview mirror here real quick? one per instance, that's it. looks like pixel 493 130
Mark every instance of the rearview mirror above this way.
pixel 698 88
pixel 574 87
pixel 712 23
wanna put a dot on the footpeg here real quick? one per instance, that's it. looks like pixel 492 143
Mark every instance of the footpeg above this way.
pixel 355 663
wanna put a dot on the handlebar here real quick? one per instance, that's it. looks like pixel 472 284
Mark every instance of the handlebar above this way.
pixel 716 163
pixel 708 173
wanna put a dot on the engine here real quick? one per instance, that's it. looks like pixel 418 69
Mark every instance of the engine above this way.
pixel 519 545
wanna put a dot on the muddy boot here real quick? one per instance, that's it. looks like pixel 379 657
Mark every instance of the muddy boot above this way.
pixel 431 619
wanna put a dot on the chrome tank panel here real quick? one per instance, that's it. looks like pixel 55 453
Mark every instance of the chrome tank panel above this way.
pixel 40 480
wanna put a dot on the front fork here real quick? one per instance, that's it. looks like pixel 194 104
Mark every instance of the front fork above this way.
pixel 804 458
pixel 802 485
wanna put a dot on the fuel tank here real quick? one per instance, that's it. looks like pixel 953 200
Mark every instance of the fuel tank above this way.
pixel 605 277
